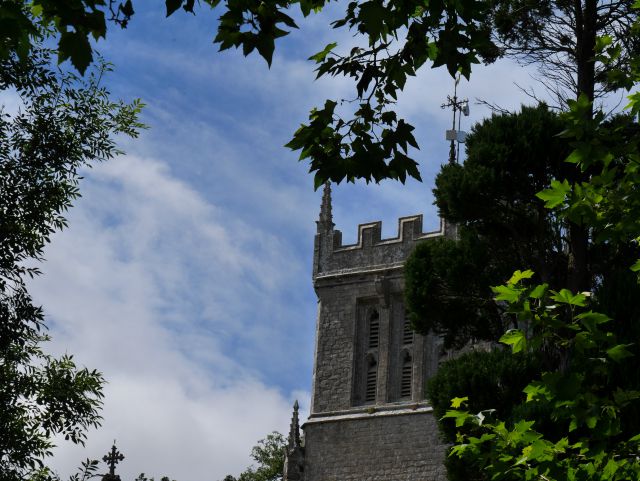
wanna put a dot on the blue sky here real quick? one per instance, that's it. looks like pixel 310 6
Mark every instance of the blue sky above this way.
pixel 185 274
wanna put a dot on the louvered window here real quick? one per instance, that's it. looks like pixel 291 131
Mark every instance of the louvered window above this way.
pixel 367 344
pixel 405 379
pixel 372 378
pixel 374 330
pixel 407 333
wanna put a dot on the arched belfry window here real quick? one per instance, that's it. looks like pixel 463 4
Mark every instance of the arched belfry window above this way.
pixel 367 344
pixel 372 379
pixel 406 375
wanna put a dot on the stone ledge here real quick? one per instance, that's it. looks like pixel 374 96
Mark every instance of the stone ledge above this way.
pixel 368 413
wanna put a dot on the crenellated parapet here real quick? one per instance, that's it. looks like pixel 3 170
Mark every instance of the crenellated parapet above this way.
pixel 370 252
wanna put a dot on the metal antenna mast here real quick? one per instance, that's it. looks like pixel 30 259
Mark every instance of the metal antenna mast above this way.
pixel 453 135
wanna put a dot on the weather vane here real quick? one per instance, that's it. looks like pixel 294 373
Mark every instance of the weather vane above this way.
pixel 458 106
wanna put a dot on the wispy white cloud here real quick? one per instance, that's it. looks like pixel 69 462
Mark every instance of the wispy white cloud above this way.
pixel 10 101
pixel 155 286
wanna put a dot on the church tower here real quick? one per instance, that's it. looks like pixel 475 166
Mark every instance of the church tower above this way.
pixel 369 418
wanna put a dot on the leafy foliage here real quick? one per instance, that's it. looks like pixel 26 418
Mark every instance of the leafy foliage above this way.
pixel 400 38
pixel 63 125
pixel 440 296
pixel 580 47
pixel 590 398
pixel 491 198
pixel 483 381
pixel 76 22
pixel 269 456
pixel 489 379
pixel 587 433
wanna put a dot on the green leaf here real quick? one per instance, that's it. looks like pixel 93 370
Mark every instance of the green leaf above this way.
pixel 573 424
pixel 460 450
pixel 265 46
pixel 592 319
pixel 565 296
pixel 523 426
pixel 575 157
pixel 537 390
pixel 76 46
pixel 456 402
pixel 172 6
pixel 556 194
pixel 459 416
pixel 540 451
pixel 623 397
pixel 188 6
pixel 482 439
pixel 127 8
pixel 636 267
pixel 514 338
pixel 619 352
pixel 520 275
pixel 506 293
pixel 584 341
pixel 539 291
pixel 371 16
pixel 603 42
pixel 610 469
pixel 562 445
pixel 320 56
pixel 36 10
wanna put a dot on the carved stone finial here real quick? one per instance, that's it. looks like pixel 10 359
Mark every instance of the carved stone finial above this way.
pixel 325 221
pixel 294 452
pixel 294 431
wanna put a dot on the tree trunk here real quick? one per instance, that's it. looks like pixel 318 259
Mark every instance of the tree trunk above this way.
pixel 586 18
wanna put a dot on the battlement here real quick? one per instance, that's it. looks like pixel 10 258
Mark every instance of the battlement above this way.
pixel 370 252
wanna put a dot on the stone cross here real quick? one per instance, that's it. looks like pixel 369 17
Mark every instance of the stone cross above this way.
pixel 113 458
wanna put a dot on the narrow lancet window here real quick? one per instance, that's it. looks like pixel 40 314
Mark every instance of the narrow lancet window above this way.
pixel 372 381
pixel 367 345
pixel 407 332
pixel 406 376
pixel 374 330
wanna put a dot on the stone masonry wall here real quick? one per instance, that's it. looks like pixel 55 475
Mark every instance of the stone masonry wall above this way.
pixel 403 447
pixel 334 343
pixel 335 363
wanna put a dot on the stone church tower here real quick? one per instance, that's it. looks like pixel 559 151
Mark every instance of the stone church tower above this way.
pixel 369 418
